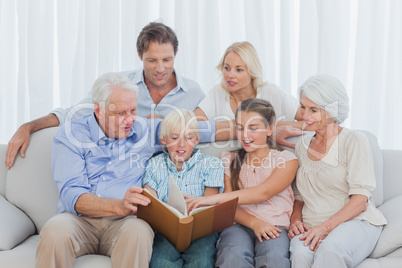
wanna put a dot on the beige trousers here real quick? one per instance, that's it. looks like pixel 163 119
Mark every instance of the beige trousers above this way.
pixel 127 240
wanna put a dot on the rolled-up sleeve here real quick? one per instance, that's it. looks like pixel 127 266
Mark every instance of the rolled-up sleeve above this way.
pixel 361 176
pixel 213 173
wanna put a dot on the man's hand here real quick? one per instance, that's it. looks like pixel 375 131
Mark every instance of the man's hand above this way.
pixel 19 142
pixel 20 139
pixel 133 198
pixel 151 116
pixel 284 131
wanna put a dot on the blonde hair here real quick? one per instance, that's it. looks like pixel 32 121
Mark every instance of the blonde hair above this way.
pixel 249 56
pixel 179 119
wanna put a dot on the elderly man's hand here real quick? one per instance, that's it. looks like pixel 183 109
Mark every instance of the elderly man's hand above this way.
pixel 133 198
pixel 286 131
pixel 19 142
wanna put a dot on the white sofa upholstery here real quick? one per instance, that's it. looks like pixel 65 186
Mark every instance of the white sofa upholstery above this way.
pixel 28 198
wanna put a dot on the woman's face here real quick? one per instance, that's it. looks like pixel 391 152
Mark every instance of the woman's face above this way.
pixel 235 73
pixel 314 117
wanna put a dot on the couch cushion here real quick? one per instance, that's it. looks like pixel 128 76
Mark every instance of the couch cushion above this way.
pixel 391 236
pixel 15 226
pixel 30 185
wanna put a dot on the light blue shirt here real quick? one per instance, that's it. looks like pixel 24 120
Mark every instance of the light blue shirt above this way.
pixel 84 160
pixel 186 95
pixel 198 172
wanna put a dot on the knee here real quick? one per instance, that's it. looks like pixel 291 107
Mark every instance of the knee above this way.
pixel 137 229
pixel 57 229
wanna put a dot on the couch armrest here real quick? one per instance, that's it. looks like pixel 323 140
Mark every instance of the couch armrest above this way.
pixel 3 169
pixel 392 173
pixel 15 226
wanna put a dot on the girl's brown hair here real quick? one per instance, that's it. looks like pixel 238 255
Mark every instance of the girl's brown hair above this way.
pixel 266 111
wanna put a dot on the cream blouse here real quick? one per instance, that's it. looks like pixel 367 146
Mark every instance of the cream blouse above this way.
pixel 326 185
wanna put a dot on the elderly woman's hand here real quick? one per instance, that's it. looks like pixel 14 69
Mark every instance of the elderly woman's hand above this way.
pixel 315 236
pixel 296 228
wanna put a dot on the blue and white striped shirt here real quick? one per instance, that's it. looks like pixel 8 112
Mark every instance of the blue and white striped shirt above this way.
pixel 198 172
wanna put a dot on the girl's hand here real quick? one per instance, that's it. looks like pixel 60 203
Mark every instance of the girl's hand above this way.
pixel 315 236
pixel 200 201
pixel 264 230
pixel 296 228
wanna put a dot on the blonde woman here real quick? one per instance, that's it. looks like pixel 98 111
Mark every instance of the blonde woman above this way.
pixel 242 79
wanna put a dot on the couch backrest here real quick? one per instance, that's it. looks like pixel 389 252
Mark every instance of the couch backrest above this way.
pixel 30 185
pixel 3 169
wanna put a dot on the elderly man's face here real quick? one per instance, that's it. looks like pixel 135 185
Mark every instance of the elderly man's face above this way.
pixel 116 117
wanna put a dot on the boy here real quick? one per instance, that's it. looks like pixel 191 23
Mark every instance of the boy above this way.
pixel 195 174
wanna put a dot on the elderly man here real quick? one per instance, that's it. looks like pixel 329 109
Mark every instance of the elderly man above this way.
pixel 98 161
pixel 160 88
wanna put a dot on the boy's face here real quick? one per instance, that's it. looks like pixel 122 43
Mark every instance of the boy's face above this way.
pixel 180 145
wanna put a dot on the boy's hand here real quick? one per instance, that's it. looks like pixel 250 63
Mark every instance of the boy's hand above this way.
pixel 199 201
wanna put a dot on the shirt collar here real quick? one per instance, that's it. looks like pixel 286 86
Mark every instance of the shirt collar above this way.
pixel 186 165
pixel 139 77
pixel 97 133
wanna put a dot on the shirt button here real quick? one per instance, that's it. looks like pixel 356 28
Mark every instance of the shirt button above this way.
pixel 103 179
pixel 99 195
pixel 110 163
pixel 179 176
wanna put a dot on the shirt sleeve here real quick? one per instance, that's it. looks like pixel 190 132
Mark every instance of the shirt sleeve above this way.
pixel 207 105
pixel 84 107
pixel 149 177
pixel 226 160
pixel 360 168
pixel 213 173
pixel 69 171
pixel 285 105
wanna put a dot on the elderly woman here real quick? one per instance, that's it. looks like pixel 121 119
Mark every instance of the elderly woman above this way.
pixel 334 221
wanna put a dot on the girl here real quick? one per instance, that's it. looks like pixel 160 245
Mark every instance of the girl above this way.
pixel 260 175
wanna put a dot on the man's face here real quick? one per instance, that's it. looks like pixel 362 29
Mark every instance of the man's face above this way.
pixel 116 117
pixel 158 63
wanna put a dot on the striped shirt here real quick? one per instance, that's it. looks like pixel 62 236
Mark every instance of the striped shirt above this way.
pixel 198 172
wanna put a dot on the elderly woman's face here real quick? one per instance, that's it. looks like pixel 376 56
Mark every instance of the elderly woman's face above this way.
pixel 315 118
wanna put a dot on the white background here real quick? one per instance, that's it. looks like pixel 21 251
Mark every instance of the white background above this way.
pixel 52 51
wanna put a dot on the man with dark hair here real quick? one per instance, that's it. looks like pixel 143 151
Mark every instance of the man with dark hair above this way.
pixel 160 88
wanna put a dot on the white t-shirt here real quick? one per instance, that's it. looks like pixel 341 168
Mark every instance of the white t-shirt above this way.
pixel 216 105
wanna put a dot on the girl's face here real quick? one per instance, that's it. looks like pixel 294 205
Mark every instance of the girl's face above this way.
pixel 315 118
pixel 235 73
pixel 252 131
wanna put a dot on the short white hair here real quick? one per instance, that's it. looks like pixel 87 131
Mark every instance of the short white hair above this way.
pixel 103 86
pixel 179 120
pixel 329 94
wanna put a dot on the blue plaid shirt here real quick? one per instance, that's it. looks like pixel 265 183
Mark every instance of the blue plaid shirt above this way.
pixel 198 172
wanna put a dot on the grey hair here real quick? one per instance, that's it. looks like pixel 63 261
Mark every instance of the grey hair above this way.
pixel 329 94
pixel 103 86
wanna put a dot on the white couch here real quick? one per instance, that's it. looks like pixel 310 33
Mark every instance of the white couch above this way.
pixel 28 198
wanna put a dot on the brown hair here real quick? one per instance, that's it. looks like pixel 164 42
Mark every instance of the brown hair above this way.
pixel 266 111
pixel 159 32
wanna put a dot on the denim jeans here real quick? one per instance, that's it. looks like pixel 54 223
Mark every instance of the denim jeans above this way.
pixel 201 253
pixel 238 246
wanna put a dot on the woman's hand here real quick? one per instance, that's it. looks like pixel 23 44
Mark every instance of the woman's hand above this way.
pixel 264 230
pixel 315 236
pixel 296 228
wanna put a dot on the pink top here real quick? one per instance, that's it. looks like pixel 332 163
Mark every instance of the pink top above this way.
pixel 277 209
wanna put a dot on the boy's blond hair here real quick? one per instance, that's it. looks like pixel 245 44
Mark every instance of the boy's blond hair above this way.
pixel 179 119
